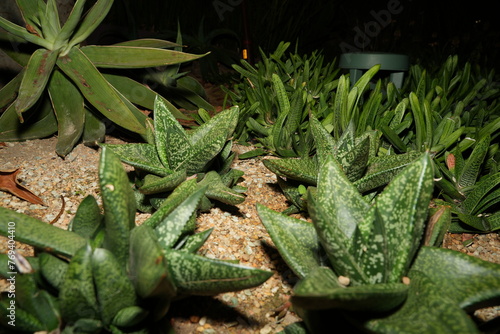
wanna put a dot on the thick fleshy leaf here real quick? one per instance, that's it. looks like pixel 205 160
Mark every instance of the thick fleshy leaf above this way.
pixel 114 290
pixel 154 184
pixel 217 190
pixel 94 130
pixel 53 269
pixel 404 217
pixel 180 194
pixel 472 166
pixel 77 294
pixel 99 92
pixel 149 43
pixel 322 290
pixel 198 275
pixel 475 282
pixel 35 79
pixel 427 310
pixel 296 240
pixel 38 123
pixel 195 242
pixel 141 156
pixel 148 268
pixel 87 219
pixel 9 92
pixel 119 205
pixel 69 109
pixel 71 23
pixel 92 19
pixel 139 94
pixel 383 169
pixel 34 232
pixel 172 144
pixel 23 33
pixel 174 225
pixel 134 57
pixel 304 170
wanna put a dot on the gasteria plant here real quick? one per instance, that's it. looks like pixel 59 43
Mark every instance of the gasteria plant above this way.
pixel 172 154
pixel 276 95
pixel 361 264
pixel 60 88
pixel 107 275
pixel 361 159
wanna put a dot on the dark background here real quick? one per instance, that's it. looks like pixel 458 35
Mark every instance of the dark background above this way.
pixel 428 31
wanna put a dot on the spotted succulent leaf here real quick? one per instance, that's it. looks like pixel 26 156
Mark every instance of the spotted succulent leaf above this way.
pixel 198 275
pixel 296 240
pixel 323 290
pixel 174 225
pixel 119 205
pixel 154 184
pixel 87 219
pixel 304 170
pixel 140 156
pixel 217 190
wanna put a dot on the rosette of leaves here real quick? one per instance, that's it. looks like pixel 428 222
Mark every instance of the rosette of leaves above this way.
pixel 107 275
pixel 361 264
pixel 60 88
pixel 470 187
pixel 358 155
pixel 174 154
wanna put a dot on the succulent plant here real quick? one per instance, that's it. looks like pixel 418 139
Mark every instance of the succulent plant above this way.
pixel 105 274
pixel 174 154
pixel 361 264
pixel 60 88
pixel 359 156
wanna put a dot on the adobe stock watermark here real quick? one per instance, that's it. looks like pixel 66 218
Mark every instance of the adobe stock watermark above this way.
pixel 222 7
pixel 381 19
pixel 11 267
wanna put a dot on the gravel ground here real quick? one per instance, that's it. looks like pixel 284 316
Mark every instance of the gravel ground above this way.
pixel 238 234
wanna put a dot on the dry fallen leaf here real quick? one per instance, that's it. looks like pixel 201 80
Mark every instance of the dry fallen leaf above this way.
pixel 9 183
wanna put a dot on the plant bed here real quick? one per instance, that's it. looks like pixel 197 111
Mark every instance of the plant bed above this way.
pixel 238 234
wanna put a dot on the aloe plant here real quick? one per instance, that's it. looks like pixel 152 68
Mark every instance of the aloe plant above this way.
pixel 105 274
pixel 361 264
pixel 60 88
pixel 174 154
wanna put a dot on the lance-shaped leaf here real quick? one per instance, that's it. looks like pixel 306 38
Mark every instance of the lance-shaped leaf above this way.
pixel 303 170
pixel 322 290
pixel 34 232
pixel 336 211
pixel 198 275
pixel 119 204
pixel 154 184
pixel 77 294
pixel 99 92
pixel 402 207
pixel 148 268
pixel 172 227
pixel 139 94
pixel 171 140
pixel 296 240
pixel 114 290
pixel 71 23
pixel 9 92
pixel 87 219
pixel 194 242
pixel 53 269
pixel 470 171
pixel 94 17
pixel 140 156
pixel 180 194
pixel 24 34
pixel 36 76
pixel 69 109
pixel 217 190
pixel 415 316
pixel 135 57
pixel 39 124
